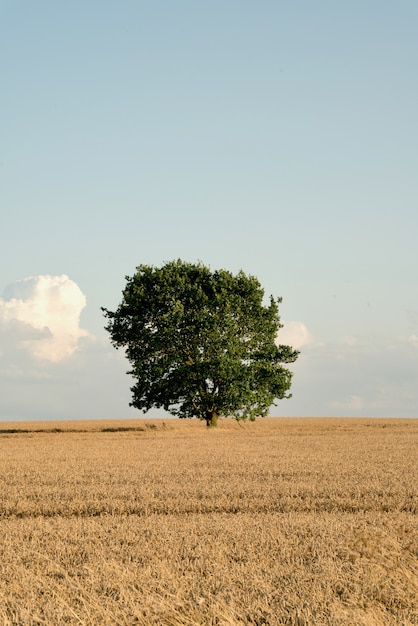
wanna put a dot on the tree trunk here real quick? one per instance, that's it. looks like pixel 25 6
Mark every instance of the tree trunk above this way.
pixel 211 419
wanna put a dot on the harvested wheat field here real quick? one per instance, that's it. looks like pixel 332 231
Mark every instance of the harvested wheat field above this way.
pixel 282 521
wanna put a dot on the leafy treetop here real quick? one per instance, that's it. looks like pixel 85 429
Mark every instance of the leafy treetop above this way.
pixel 201 343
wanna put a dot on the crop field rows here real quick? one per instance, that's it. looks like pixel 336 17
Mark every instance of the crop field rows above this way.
pixel 282 521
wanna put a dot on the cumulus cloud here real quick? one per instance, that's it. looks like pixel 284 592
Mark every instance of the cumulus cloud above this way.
pixel 41 314
pixel 348 340
pixel 413 339
pixel 370 377
pixel 294 334
pixel 352 403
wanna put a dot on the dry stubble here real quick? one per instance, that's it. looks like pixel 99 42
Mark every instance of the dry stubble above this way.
pixel 277 522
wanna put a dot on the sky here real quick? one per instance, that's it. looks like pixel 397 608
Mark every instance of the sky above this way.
pixel 275 137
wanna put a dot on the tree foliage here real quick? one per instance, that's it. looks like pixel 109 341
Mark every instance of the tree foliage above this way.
pixel 201 343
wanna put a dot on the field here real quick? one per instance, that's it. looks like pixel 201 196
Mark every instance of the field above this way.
pixel 282 521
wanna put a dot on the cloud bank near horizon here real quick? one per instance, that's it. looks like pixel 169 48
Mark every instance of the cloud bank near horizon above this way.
pixel 52 368
pixel 41 314
pixel 295 334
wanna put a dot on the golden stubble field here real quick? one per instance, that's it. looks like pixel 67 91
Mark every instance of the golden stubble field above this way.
pixel 282 521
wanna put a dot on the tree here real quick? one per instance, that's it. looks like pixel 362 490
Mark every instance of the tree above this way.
pixel 201 343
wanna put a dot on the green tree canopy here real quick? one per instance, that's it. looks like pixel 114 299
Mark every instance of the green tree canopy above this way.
pixel 201 343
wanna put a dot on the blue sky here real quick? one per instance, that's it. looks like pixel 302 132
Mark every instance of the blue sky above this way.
pixel 276 137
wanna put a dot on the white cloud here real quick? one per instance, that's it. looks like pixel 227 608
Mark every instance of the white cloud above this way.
pixel 348 340
pixel 413 339
pixel 374 377
pixel 355 403
pixel 42 315
pixel 361 375
pixel 294 334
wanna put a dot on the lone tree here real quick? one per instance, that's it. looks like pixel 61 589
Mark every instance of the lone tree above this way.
pixel 201 343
